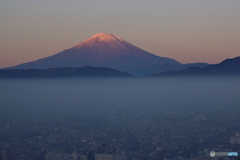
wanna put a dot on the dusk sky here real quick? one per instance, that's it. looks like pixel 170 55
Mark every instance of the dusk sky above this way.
pixel 186 30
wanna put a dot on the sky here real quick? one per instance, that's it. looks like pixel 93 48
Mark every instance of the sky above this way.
pixel 188 31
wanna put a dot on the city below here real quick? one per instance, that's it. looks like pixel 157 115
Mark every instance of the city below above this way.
pixel 123 134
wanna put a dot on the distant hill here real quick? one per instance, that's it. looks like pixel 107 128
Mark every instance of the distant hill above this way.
pixel 88 72
pixel 228 67
pixel 101 50
pixel 147 70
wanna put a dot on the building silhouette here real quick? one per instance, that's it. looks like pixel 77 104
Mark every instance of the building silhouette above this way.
pixel 54 155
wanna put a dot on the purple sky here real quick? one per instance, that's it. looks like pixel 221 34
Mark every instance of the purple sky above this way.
pixel 187 30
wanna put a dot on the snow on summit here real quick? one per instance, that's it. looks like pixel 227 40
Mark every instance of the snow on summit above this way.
pixel 106 37
pixel 99 38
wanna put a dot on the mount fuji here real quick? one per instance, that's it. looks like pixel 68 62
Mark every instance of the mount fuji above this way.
pixel 101 50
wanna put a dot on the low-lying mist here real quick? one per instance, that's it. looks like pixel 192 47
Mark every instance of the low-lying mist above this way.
pixel 100 97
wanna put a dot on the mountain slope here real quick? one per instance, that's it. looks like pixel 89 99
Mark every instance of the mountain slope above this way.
pixel 86 71
pixel 228 67
pixel 104 50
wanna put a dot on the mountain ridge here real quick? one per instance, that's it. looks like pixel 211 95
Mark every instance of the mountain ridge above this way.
pixel 228 67
pixel 147 70
pixel 67 72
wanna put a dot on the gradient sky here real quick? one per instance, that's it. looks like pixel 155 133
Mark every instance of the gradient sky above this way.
pixel 186 30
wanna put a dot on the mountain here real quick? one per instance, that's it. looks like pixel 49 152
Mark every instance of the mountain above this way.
pixel 101 50
pixel 147 70
pixel 85 71
pixel 228 67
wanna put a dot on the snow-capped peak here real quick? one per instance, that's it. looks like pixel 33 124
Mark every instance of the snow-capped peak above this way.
pixel 100 37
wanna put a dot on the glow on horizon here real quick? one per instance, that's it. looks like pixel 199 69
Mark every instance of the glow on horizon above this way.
pixel 187 31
